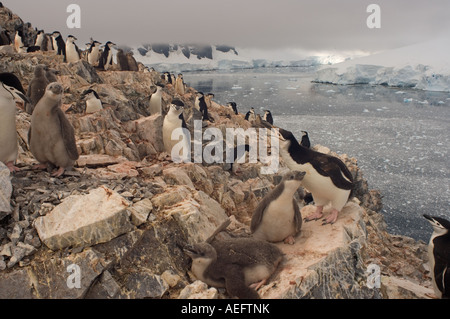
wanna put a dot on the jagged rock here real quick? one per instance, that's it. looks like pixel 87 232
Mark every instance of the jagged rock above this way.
pixel 177 176
pixel 85 220
pixel 5 191
pixel 86 71
pixel 16 285
pixel 140 211
pixel 198 290
pixel 58 278
pixel 145 285
pixel 105 288
pixel 148 134
pixel 398 288
pixel 171 278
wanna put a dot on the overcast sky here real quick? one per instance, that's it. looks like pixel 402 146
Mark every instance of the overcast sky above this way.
pixel 308 24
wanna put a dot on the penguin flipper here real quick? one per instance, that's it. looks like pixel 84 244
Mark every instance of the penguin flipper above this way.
pixel 68 135
pixel 297 217
pixel 235 283
pixel 332 166
pixel 259 211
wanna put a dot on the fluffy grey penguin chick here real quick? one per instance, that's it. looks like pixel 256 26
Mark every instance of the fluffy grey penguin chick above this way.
pixel 241 265
pixel 51 136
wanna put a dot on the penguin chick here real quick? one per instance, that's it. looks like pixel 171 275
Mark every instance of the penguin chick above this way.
pixel 277 217
pixel 36 88
pixel 439 256
pixel 10 90
pixel 51 136
pixel 241 265
pixel 327 177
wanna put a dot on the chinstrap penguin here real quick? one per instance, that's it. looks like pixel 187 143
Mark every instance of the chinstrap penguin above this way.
pixel 439 256
pixel 106 58
pixel 241 265
pixel 93 101
pixel 268 117
pixel 277 217
pixel 51 136
pixel 58 44
pixel 72 50
pixel 10 90
pixel 251 115
pixel 233 106
pixel 94 53
pixel 155 103
pixel 327 177
pixel 172 121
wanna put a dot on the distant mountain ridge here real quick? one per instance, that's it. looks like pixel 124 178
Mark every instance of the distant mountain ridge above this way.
pixel 195 57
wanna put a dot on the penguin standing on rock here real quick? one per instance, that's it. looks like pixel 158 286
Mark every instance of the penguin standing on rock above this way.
pixel 132 64
pixel 37 87
pixel 58 44
pixel 72 50
pixel 268 117
pixel 277 217
pixel 251 115
pixel 10 90
pixel 172 121
pixel 122 60
pixel 439 256
pixel 51 136
pixel 233 106
pixel 106 59
pixel 94 53
pixel 327 177
pixel 200 105
pixel 155 104
pixel 93 102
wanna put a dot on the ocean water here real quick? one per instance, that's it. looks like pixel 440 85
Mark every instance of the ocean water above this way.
pixel 400 137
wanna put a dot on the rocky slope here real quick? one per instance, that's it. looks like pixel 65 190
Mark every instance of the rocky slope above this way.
pixel 116 225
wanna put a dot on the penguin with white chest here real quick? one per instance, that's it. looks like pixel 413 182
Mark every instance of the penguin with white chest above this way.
pixel 277 217
pixel 93 102
pixel 172 121
pixel 327 177
pixel 94 53
pixel 106 58
pixel 10 90
pixel 439 256
pixel 155 104
pixel 58 44
pixel 268 117
pixel 72 50
pixel 51 136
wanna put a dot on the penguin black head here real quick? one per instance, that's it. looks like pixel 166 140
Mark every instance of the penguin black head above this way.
pixel 440 225
pixel 87 92
pixel 11 80
pixel 11 83
pixel 177 104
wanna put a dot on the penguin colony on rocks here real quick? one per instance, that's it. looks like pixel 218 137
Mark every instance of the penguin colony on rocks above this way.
pixel 241 265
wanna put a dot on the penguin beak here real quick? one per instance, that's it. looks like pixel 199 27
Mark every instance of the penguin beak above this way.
pixel 429 218
pixel 24 98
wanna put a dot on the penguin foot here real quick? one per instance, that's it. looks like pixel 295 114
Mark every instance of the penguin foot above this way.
pixel 316 216
pixel 12 167
pixel 289 240
pixel 331 219
pixel 258 285
pixel 59 172
pixel 39 166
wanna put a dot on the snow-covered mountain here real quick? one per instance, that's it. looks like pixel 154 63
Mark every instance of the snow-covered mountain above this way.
pixel 178 58
pixel 424 66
